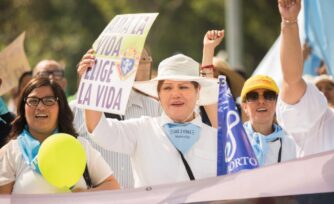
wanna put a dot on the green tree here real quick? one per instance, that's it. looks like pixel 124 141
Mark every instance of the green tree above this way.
pixel 64 30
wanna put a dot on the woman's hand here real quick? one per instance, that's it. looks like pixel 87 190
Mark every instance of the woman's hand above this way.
pixel 7 188
pixel 213 38
pixel 109 183
pixel 87 61
pixel 289 10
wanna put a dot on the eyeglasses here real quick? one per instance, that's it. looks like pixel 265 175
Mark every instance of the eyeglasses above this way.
pixel 34 101
pixel 56 74
pixel 267 95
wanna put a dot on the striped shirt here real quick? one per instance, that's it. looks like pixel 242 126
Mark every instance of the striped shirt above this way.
pixel 138 105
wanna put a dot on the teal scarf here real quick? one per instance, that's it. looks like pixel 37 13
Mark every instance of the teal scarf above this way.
pixel 3 107
pixel 260 142
pixel 3 110
pixel 182 135
pixel 29 147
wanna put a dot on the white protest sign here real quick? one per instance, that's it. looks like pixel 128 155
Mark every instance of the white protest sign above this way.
pixel 107 85
pixel 13 62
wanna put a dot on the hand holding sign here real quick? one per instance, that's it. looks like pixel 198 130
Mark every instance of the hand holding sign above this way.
pixel 87 61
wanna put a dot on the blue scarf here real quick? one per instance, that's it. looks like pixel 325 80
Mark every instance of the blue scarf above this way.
pixel 29 147
pixel 3 110
pixel 260 142
pixel 3 107
pixel 182 135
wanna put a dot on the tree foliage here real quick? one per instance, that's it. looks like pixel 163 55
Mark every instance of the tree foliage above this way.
pixel 64 30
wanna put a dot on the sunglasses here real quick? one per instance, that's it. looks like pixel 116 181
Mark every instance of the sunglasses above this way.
pixel 56 74
pixel 47 101
pixel 267 95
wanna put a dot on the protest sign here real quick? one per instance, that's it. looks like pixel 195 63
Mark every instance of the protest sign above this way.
pixel 13 62
pixel 107 85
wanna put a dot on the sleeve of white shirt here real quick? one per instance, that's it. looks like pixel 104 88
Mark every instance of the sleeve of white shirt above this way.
pixel 98 168
pixel 78 121
pixel 7 164
pixel 118 136
pixel 302 116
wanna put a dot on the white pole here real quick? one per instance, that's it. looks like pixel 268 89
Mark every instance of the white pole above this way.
pixel 234 33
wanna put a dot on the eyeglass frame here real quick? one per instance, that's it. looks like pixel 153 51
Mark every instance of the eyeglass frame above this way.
pixel 41 99
pixel 59 76
pixel 265 95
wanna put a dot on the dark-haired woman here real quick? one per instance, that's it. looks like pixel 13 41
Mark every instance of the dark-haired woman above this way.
pixel 42 111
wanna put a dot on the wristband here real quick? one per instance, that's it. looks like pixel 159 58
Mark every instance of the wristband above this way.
pixel 289 22
pixel 210 66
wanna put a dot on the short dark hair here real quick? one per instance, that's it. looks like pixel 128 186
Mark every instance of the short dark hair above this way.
pixel 65 116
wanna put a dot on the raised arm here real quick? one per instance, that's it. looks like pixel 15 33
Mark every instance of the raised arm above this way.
pixel 293 85
pixel 92 118
pixel 211 40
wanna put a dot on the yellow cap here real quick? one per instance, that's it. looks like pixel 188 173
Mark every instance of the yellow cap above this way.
pixel 258 82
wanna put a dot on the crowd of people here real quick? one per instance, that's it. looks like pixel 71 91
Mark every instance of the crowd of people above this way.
pixel 169 130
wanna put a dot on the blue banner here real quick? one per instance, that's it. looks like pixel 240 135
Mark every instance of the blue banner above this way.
pixel 235 152
pixel 319 30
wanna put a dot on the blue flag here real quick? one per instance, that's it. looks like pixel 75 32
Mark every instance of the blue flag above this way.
pixel 319 30
pixel 234 149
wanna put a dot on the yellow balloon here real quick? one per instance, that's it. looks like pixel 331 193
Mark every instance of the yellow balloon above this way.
pixel 61 160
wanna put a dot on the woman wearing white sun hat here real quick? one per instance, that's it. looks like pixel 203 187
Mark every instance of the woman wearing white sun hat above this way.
pixel 174 147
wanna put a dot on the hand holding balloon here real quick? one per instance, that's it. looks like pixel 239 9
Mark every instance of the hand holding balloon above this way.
pixel 62 160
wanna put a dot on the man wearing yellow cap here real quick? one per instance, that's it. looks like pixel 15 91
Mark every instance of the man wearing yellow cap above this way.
pixel 302 109
pixel 271 144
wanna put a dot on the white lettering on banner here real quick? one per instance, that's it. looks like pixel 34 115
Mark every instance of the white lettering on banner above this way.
pixel 241 161
pixel 231 145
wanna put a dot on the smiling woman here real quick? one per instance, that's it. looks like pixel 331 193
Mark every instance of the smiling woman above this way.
pixel 270 142
pixel 178 99
pixel 174 147
pixel 42 111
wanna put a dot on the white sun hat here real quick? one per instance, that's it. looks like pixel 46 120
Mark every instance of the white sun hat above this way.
pixel 323 78
pixel 181 68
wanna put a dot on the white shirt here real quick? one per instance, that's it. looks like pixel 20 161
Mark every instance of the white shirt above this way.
pixel 155 159
pixel 138 105
pixel 288 146
pixel 310 122
pixel 13 168
pixel 288 150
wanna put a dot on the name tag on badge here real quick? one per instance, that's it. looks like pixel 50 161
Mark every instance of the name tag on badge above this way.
pixel 183 136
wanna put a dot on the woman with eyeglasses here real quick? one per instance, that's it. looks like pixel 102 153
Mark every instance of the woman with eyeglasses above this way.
pixel 42 111
pixel 270 142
